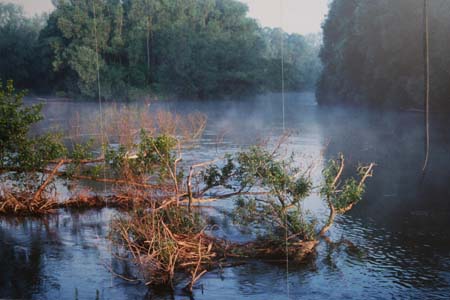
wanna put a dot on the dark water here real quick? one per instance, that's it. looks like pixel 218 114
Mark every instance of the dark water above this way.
pixel 393 245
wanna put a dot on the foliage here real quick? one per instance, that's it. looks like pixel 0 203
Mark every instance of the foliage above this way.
pixel 279 207
pixel 117 159
pixel 342 196
pixel 15 119
pixel 17 149
pixel 280 188
pixel 20 48
pixel 80 152
pixel 351 191
pixel 258 166
pixel 35 153
pixel 196 48
pixel 153 155
pixel 302 65
pixel 156 151
pixel 373 53
pixel 269 190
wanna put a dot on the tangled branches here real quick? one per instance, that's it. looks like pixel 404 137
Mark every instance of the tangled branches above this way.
pixel 165 240
pixel 157 232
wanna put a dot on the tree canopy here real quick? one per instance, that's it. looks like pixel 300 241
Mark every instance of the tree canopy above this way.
pixel 194 48
pixel 19 46
pixel 373 53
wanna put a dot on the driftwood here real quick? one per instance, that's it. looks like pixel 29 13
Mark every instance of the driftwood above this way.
pixel 23 203
pixel 273 250
pixel 47 181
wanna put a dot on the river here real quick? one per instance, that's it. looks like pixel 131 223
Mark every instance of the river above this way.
pixel 395 244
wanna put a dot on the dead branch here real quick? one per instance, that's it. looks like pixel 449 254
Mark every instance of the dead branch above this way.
pixel 367 174
pixel 339 173
pixel 47 181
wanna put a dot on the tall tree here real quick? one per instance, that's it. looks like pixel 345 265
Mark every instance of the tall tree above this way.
pixel 189 48
pixel 19 46
pixel 373 53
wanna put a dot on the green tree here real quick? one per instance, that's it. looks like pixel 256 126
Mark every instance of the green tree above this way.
pixel 19 150
pixel 194 48
pixel 19 46
pixel 373 54
pixel 301 61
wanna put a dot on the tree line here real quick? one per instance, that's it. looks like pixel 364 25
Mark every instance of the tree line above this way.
pixel 191 48
pixel 373 53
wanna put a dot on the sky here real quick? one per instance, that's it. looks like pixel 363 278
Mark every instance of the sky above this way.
pixel 33 6
pixel 299 16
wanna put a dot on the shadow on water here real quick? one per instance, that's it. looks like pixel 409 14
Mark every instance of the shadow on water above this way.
pixel 394 244
pixel 59 257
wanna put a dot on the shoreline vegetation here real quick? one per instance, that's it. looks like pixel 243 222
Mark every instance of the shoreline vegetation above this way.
pixel 151 48
pixel 366 63
pixel 157 228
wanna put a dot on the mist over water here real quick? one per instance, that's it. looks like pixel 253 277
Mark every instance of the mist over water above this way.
pixel 392 245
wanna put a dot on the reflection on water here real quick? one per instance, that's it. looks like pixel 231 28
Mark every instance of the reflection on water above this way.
pixel 394 244
pixel 60 257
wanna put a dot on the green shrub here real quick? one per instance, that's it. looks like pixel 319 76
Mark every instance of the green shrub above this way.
pixel 18 149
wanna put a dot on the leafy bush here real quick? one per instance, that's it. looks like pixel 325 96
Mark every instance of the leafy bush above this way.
pixel 18 150
pixel 271 190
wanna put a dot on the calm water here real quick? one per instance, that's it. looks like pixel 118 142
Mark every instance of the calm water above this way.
pixel 393 245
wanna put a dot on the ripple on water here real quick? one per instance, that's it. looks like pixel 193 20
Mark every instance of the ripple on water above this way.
pixel 381 256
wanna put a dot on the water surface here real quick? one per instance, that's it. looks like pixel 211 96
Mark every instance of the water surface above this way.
pixel 393 245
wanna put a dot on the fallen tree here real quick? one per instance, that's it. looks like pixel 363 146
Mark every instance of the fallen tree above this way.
pixel 267 190
pixel 158 229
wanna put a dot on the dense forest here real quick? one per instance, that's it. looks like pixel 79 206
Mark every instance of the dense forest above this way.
pixel 192 48
pixel 373 53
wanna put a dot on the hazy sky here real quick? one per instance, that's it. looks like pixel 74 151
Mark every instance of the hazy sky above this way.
pixel 33 6
pixel 301 16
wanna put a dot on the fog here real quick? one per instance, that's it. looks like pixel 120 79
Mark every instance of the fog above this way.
pixel 359 89
pixel 399 231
